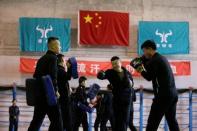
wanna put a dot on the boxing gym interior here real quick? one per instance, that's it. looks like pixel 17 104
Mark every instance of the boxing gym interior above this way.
pixel 98 65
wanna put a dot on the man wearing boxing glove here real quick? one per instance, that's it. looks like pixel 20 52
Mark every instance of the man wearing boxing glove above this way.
pixel 47 65
pixel 157 69
pixel 122 90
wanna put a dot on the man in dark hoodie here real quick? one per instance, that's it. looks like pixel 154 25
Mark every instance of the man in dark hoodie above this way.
pixel 122 90
pixel 156 68
pixel 63 77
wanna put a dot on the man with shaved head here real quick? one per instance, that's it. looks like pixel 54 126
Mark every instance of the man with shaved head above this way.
pixel 47 65
pixel 121 80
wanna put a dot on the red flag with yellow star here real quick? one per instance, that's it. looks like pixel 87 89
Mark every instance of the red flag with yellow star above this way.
pixel 103 28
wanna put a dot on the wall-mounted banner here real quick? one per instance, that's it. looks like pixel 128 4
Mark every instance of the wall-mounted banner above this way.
pixel 170 37
pixel 35 31
pixel 91 68
pixel 103 28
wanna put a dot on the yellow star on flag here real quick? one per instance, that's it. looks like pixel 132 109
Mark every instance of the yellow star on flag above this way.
pixel 88 19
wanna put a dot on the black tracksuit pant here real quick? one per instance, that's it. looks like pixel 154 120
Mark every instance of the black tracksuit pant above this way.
pixel 104 121
pixel 13 125
pixel 162 108
pixel 53 113
pixel 80 118
pixel 121 114
pixel 66 115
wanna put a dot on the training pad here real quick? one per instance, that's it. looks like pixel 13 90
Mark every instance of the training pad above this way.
pixel 73 63
pixel 49 90
pixel 31 85
pixel 93 91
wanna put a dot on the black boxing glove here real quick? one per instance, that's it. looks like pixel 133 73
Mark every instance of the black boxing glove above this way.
pixel 144 60
pixel 135 63
pixel 101 75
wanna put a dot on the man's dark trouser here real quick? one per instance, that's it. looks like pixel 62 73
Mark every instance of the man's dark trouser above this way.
pixel 53 113
pixel 162 108
pixel 121 116
pixel 97 122
pixel 81 118
pixel 131 125
pixel 13 125
pixel 104 120
pixel 66 116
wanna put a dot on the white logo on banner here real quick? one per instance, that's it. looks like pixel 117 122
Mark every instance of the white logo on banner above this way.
pixel 164 38
pixel 43 32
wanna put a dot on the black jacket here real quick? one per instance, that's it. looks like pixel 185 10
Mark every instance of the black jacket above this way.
pixel 106 104
pixel 158 71
pixel 14 113
pixel 62 81
pixel 122 88
pixel 47 65
pixel 80 95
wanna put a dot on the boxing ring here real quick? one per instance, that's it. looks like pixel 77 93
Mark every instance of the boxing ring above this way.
pixel 186 110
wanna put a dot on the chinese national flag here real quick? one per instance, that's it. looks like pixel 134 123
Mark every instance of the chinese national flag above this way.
pixel 103 28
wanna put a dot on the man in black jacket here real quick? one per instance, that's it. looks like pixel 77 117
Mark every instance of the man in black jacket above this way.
pixel 14 116
pixel 47 65
pixel 120 79
pixel 63 77
pixel 106 109
pixel 81 96
pixel 98 111
pixel 156 68
pixel 131 116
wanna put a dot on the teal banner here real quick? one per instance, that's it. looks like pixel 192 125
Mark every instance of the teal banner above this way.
pixel 35 31
pixel 170 37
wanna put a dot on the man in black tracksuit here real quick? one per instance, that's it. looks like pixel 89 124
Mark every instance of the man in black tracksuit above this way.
pixel 107 113
pixel 156 68
pixel 63 77
pixel 131 125
pixel 13 116
pixel 47 65
pixel 80 115
pixel 120 79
